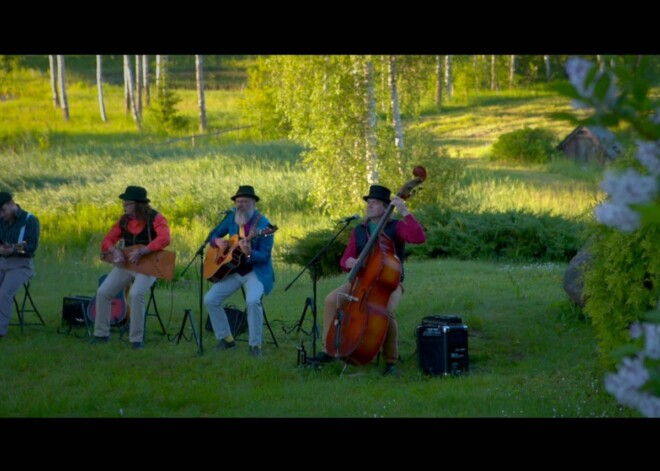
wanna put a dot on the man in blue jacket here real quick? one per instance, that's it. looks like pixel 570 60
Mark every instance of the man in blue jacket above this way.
pixel 250 245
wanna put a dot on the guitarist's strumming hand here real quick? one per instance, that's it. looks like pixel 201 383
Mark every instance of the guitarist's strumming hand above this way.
pixel 245 247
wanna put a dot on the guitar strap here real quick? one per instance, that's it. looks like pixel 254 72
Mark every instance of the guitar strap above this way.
pixel 253 228
pixel 21 234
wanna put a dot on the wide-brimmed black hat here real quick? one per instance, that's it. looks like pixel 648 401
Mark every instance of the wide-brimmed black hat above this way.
pixel 4 197
pixel 245 190
pixel 135 193
pixel 378 192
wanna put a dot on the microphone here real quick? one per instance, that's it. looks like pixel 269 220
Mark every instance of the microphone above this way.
pixel 350 218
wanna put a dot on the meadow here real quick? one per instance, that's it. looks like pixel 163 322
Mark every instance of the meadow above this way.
pixel 531 352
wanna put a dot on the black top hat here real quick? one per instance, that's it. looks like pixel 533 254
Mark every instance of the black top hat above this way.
pixel 4 197
pixel 378 192
pixel 245 190
pixel 135 193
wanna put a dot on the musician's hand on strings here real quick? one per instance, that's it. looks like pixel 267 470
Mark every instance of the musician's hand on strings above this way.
pixel 399 204
pixel 350 262
pixel 118 256
pixel 245 247
pixel 135 255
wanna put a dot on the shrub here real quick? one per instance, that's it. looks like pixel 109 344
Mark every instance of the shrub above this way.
pixel 528 145
pixel 303 250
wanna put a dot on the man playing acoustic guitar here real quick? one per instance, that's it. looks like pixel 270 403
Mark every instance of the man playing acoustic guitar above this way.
pixel 139 225
pixel 19 237
pixel 251 266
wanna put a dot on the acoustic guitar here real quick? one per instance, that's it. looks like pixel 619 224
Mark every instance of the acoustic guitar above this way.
pixel 217 264
pixel 159 263
pixel 119 310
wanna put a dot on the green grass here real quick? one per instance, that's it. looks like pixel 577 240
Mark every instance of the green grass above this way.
pixel 530 357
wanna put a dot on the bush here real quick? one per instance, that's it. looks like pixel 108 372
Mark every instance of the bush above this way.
pixel 622 284
pixel 303 250
pixel 526 146
pixel 512 235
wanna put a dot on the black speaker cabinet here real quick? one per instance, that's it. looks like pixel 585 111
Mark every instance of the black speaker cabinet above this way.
pixel 74 309
pixel 442 345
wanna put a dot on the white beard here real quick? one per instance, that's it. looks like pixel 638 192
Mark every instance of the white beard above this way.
pixel 242 218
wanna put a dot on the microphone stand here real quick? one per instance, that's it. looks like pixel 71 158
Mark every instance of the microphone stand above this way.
pixel 188 314
pixel 311 302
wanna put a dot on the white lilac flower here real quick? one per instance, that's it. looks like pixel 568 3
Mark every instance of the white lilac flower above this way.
pixel 648 154
pixel 630 375
pixel 652 341
pixel 635 330
pixel 630 187
pixel 618 216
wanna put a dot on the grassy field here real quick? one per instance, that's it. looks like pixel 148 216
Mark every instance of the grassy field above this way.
pixel 530 354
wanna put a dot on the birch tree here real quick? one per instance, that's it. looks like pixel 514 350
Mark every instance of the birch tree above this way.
pixel 449 79
pixel 138 84
pixel 99 86
pixel 145 78
pixel 493 73
pixel 199 73
pixel 438 82
pixel 131 96
pixel 53 80
pixel 396 114
pixel 546 61
pixel 370 124
pixel 62 82
pixel 512 71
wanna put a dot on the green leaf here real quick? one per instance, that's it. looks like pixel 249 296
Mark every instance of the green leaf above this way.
pixel 652 316
pixel 624 351
pixel 565 88
pixel 602 86
pixel 650 214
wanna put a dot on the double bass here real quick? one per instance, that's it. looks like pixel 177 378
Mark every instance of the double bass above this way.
pixel 359 327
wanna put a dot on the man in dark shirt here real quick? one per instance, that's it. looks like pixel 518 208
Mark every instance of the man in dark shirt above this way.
pixel 400 231
pixel 19 238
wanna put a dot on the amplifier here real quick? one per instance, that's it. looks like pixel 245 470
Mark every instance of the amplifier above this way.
pixel 74 309
pixel 442 345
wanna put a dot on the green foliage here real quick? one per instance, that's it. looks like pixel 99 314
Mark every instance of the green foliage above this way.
pixel 304 249
pixel 510 235
pixel 527 145
pixel 165 115
pixel 622 283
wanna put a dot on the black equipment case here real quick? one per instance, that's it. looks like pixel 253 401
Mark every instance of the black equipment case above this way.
pixel 442 345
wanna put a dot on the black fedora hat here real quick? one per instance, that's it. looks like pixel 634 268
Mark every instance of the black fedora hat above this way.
pixel 378 192
pixel 135 193
pixel 245 190
pixel 4 197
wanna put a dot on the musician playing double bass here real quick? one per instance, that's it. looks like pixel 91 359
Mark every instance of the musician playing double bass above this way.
pixel 139 225
pixel 400 231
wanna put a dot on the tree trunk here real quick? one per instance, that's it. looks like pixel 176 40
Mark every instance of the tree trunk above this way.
pixel 601 62
pixel 449 80
pixel 158 72
pixel 99 86
pixel 438 82
pixel 145 78
pixel 199 72
pixel 53 80
pixel 372 140
pixel 493 71
pixel 396 113
pixel 131 96
pixel 127 95
pixel 475 66
pixel 63 100
pixel 512 71
pixel 546 60
pixel 138 84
